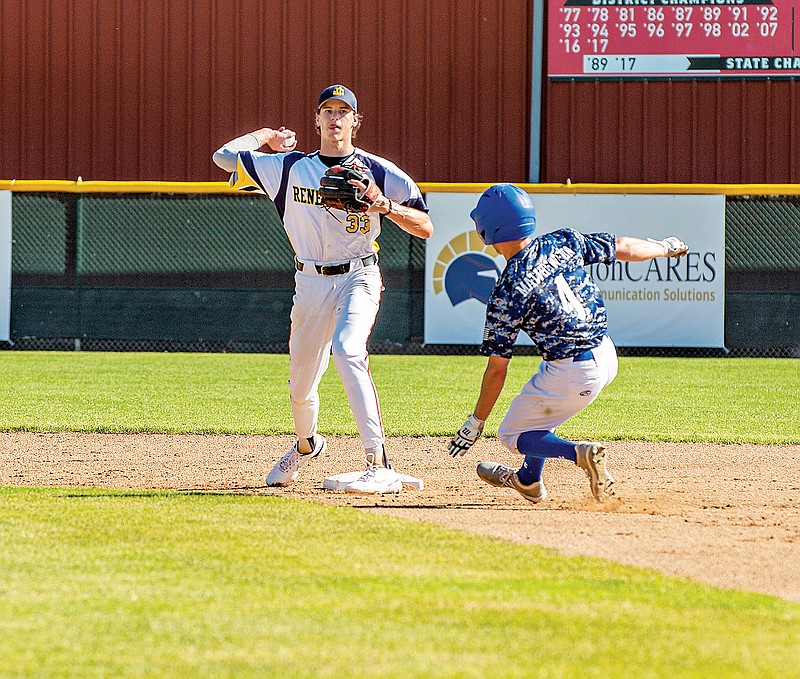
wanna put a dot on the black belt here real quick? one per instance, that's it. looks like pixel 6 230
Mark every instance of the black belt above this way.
pixel 337 269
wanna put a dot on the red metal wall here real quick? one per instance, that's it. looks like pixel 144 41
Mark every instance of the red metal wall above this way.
pixel 148 89
pixel 671 131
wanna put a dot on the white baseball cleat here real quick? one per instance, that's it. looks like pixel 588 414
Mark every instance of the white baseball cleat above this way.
pixel 376 481
pixel 287 470
pixel 591 457
pixel 496 474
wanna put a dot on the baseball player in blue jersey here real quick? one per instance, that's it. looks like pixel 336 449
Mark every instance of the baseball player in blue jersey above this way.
pixel 546 292
pixel 337 280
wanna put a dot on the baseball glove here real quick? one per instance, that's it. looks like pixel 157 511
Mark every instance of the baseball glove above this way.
pixel 337 191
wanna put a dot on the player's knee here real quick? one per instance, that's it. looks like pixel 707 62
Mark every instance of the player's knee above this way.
pixel 302 405
pixel 302 398
pixel 349 354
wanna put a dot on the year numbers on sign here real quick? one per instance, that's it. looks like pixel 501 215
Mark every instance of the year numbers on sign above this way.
pixel 601 64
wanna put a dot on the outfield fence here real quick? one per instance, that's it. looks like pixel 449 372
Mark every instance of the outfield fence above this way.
pixel 196 267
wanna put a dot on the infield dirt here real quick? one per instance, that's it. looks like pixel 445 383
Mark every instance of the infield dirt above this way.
pixel 726 515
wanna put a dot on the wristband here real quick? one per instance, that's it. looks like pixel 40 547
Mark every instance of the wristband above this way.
pixel 476 421
pixel 389 210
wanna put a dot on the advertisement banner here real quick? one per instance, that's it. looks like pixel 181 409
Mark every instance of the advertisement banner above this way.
pixel 660 303
pixel 5 266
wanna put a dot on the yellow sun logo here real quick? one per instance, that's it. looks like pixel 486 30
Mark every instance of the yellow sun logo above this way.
pixel 469 241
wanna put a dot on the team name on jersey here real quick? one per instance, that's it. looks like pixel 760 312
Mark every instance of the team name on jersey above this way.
pixel 545 269
pixel 305 195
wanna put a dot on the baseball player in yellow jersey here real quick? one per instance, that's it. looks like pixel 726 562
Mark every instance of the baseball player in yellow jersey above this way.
pixel 337 280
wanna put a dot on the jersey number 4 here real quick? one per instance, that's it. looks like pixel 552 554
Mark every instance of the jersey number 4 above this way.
pixel 357 223
pixel 569 299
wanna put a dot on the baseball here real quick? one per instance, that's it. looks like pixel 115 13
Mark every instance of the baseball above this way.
pixel 289 142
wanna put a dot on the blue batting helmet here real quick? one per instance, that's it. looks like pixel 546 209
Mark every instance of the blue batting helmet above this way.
pixel 504 213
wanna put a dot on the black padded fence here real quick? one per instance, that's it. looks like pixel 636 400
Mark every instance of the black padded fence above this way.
pixel 214 272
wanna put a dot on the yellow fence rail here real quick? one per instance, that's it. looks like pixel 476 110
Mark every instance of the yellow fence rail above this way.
pixel 80 186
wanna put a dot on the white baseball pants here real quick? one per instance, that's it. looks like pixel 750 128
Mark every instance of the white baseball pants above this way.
pixel 559 390
pixel 335 314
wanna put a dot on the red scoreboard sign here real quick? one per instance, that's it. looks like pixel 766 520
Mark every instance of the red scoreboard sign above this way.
pixel 673 39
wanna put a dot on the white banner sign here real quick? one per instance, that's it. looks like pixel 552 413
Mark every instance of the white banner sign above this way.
pixel 5 266
pixel 660 303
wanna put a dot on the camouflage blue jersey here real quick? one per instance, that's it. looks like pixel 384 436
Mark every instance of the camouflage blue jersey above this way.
pixel 545 291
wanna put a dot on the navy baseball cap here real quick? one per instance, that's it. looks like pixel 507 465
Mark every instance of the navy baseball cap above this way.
pixel 341 93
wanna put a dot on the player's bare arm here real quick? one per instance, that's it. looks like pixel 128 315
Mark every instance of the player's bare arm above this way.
pixel 409 219
pixel 630 249
pixel 494 378
pixel 352 190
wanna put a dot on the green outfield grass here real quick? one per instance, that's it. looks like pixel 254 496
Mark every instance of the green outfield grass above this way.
pixel 652 399
pixel 117 584
pixel 107 583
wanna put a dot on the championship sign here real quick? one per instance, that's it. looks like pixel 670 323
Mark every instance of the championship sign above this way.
pixel 5 266
pixel 673 38
pixel 658 303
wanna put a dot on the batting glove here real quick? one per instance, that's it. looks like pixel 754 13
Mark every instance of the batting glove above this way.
pixel 466 436
pixel 673 246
